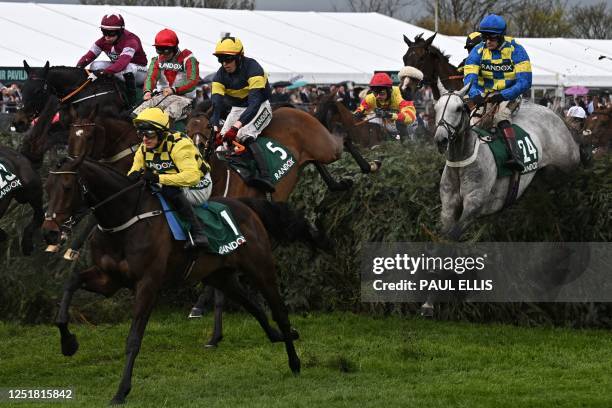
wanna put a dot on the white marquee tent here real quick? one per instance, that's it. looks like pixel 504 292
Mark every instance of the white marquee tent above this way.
pixel 321 47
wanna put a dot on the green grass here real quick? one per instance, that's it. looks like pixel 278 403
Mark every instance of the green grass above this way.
pixel 347 360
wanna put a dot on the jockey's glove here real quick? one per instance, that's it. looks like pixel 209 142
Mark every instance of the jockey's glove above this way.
pixel 231 134
pixel 150 177
pixel 478 100
pixel 134 176
pixel 496 98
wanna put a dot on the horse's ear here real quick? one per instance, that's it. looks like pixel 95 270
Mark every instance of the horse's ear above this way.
pixel 27 67
pixel 406 40
pixel 430 39
pixel 441 87
pixel 463 91
pixel 45 70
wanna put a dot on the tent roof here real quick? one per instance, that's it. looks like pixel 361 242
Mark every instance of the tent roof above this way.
pixel 321 47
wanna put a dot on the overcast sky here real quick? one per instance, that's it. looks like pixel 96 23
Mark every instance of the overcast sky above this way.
pixel 417 7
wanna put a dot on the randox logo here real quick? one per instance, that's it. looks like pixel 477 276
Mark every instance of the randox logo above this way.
pixel 230 246
pixel 284 168
pixel 497 68
pixel 265 114
pixel 9 186
pixel 172 66
pixel 160 166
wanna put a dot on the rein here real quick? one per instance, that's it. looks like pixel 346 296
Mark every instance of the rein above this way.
pixel 78 89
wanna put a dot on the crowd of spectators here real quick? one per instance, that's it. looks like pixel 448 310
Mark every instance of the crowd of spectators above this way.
pixel 11 98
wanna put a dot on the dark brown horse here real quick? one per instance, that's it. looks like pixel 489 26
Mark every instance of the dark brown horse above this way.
pixel 19 181
pixel 598 131
pixel 104 139
pixel 143 255
pixel 433 63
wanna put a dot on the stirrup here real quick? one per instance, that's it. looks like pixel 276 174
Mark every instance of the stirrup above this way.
pixel 71 254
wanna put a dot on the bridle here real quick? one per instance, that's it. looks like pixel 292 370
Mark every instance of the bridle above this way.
pixel 453 130
pixel 85 193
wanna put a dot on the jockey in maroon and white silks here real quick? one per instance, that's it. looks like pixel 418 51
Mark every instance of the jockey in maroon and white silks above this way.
pixel 122 47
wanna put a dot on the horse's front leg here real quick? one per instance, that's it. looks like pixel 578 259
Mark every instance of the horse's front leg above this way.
pixel 69 343
pixel 450 198
pixel 38 216
pixel 146 294
pixel 473 203
pixel 217 335
pixel 332 184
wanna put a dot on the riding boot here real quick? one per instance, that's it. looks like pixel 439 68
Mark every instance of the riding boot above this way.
pixel 130 89
pixel 185 210
pixel 514 163
pixel 586 154
pixel 263 180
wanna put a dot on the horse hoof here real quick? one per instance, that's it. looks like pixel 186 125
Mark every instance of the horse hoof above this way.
pixel 195 313
pixel 70 345
pixel 295 366
pixel 427 312
pixel 346 184
pixel 212 343
pixel 294 334
pixel 71 254
pixel 117 401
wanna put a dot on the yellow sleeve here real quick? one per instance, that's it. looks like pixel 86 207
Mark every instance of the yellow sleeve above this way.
pixel 184 156
pixel 139 162
pixel 218 88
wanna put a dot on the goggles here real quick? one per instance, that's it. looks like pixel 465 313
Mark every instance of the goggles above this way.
pixel 379 91
pixel 226 58
pixel 147 133
pixel 164 50
pixel 490 36
pixel 110 33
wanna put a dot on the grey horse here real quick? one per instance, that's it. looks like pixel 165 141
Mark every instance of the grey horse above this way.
pixel 469 187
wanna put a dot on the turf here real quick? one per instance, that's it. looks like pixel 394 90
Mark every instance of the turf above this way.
pixel 347 360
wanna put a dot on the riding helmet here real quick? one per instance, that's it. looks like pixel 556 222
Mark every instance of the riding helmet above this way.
pixel 472 40
pixel 166 38
pixel 493 24
pixel 229 46
pixel 112 22
pixel 154 117
pixel 381 80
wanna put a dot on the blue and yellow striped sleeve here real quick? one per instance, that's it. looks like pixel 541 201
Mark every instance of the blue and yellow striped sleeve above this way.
pixel 522 67
pixel 471 70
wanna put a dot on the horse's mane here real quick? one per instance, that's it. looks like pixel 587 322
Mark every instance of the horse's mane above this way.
pixel 435 50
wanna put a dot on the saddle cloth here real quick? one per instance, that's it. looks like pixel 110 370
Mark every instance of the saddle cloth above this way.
pixel 528 149
pixel 278 159
pixel 223 232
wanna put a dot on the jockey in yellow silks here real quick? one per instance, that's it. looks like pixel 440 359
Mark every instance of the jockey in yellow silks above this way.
pixel 385 100
pixel 173 161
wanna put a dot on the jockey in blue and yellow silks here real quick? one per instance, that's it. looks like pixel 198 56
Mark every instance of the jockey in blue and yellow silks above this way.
pixel 500 72
pixel 242 84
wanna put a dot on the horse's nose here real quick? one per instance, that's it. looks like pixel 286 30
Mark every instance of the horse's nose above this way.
pixel 442 145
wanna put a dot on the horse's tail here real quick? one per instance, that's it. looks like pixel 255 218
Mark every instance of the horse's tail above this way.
pixel 286 225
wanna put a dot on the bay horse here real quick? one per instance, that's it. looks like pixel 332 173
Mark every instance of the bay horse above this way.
pixel 133 248
pixel 19 181
pixel 433 63
pixel 597 131
pixel 306 139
